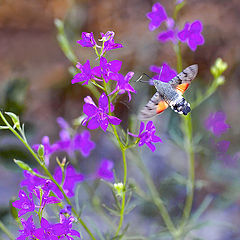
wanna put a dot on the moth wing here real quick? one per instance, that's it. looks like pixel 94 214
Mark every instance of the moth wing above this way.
pixel 183 79
pixel 155 106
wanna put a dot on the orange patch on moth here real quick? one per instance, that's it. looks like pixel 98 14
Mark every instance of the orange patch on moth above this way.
pixel 161 106
pixel 182 87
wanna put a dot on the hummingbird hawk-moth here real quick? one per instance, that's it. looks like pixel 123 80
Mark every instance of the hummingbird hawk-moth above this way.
pixel 170 94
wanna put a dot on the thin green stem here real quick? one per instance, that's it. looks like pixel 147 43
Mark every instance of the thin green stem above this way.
pixel 47 173
pixel 177 49
pixel 187 120
pixel 6 231
pixel 155 196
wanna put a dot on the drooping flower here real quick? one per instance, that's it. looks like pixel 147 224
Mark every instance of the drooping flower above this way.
pixel 80 142
pixel 48 148
pixel 85 75
pixel 98 116
pixel 123 84
pixel 148 136
pixel 215 123
pixel 109 44
pixel 107 69
pixel 191 34
pixel 164 73
pixel 87 40
pixel 105 170
pixel 157 16
pixel 25 203
pixel 28 229
pixel 71 178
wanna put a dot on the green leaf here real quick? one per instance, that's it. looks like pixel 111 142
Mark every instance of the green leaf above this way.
pixel 41 151
pixel 15 120
pixel 23 165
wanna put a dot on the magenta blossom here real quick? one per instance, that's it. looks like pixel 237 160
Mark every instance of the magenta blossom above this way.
pixel 157 16
pixel 71 179
pixel 25 203
pixel 109 43
pixel 215 123
pixel 87 40
pixel 107 69
pixel 148 136
pixel 85 75
pixel 191 34
pixel 48 148
pixel 28 229
pixel 80 142
pixel 98 116
pixel 170 33
pixel 164 73
pixel 105 170
pixel 123 84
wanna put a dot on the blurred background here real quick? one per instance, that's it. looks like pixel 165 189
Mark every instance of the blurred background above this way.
pixel 35 83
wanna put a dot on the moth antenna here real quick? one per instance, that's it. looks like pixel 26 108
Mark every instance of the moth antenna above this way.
pixel 160 73
pixel 139 79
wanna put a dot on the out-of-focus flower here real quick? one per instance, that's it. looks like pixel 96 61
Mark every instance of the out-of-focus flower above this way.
pixel 25 203
pixel 148 136
pixel 109 43
pixel 119 188
pixel 222 146
pixel 71 178
pixel 28 228
pixel 87 40
pixel 170 33
pixel 98 116
pixel 157 16
pixel 80 142
pixel 191 34
pixel 105 170
pixel 123 84
pixel 107 69
pixel 48 148
pixel 85 75
pixel 216 123
pixel 164 73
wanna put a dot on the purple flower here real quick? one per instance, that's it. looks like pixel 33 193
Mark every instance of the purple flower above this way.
pixel 222 146
pixel 85 75
pixel 147 136
pixel 98 116
pixel 46 231
pixel 170 33
pixel 48 148
pixel 191 34
pixel 157 16
pixel 164 73
pixel 64 229
pixel 31 181
pixel 28 229
pixel 105 170
pixel 24 203
pixel 45 197
pixel 80 142
pixel 87 40
pixel 109 43
pixel 83 143
pixel 71 178
pixel 107 69
pixel 123 84
pixel 215 123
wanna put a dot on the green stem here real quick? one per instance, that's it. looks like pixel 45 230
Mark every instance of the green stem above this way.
pixel 5 230
pixel 187 120
pixel 177 49
pixel 155 196
pixel 47 173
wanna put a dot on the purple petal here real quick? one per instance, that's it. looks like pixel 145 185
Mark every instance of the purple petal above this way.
pixel 89 109
pixel 97 71
pixel 183 35
pixel 114 120
pixel 93 123
pixel 115 65
pixel 151 146
pixel 104 124
pixel 103 101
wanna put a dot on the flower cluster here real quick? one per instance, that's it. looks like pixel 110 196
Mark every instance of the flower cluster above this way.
pixel 191 33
